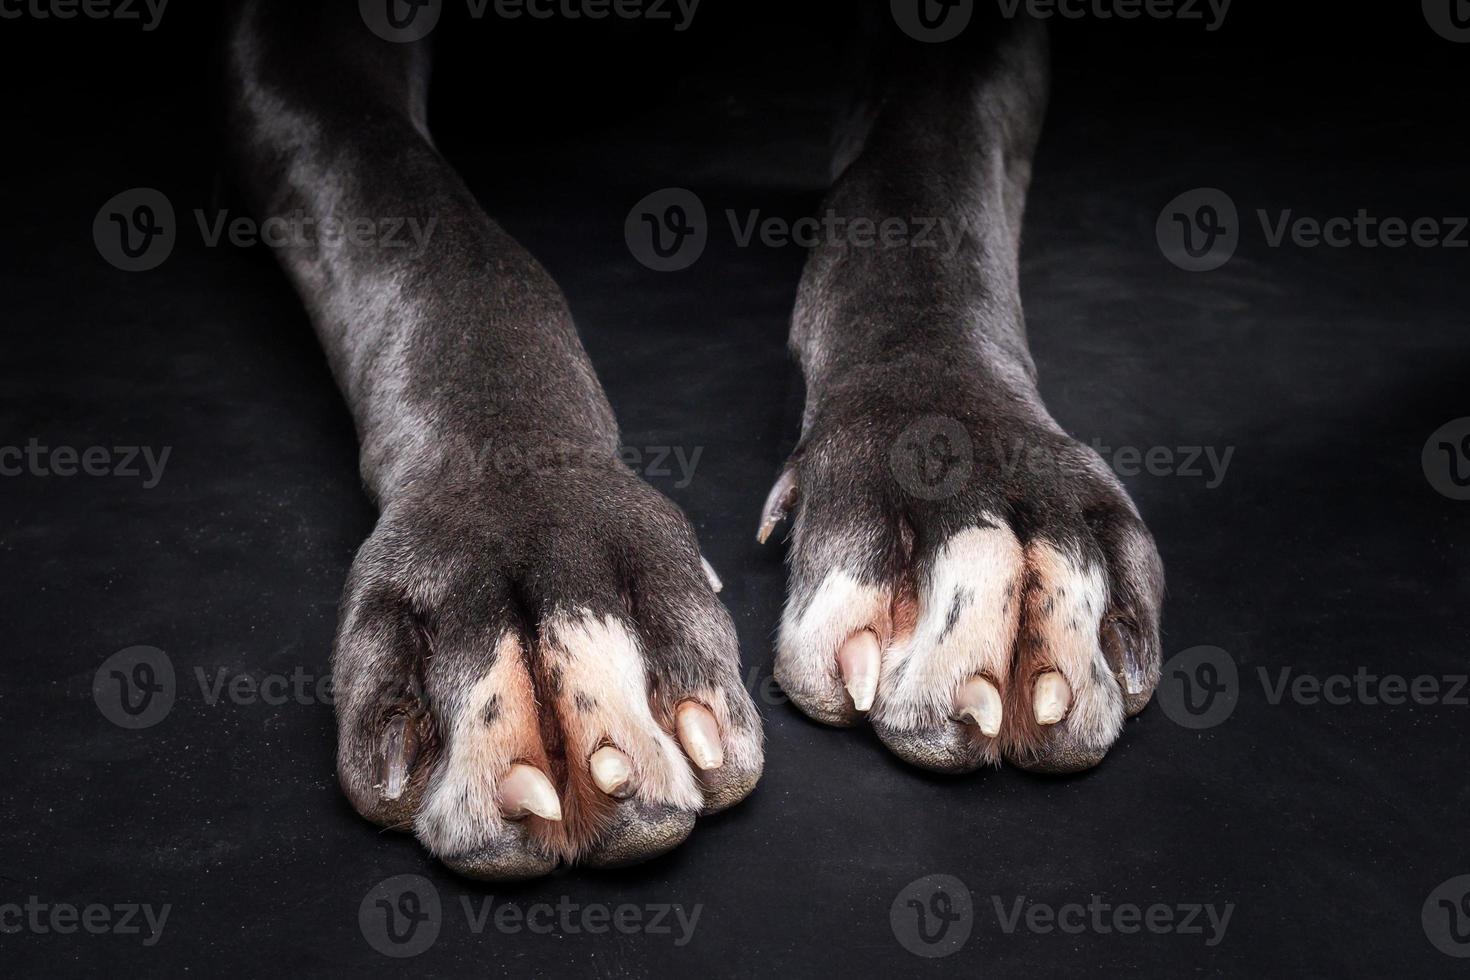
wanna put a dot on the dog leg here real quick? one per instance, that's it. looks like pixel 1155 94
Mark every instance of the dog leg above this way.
pixel 531 663
pixel 964 575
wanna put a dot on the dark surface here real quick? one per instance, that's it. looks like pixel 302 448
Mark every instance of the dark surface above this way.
pixel 1324 549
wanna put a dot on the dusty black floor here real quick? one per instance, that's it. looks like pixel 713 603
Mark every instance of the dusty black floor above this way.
pixel 1320 829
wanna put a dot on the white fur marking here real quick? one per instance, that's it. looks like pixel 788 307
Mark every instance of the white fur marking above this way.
pixel 807 646
pixel 459 811
pixel 1078 596
pixel 968 615
pixel 602 662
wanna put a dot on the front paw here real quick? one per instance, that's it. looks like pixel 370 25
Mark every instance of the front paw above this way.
pixel 975 583
pixel 542 676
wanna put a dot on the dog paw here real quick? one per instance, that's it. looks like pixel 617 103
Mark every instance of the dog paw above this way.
pixel 540 677
pixel 977 585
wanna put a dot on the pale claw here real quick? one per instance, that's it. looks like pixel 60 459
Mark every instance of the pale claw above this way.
pixel 778 504
pixel 699 733
pixel 526 789
pixel 612 771
pixel 979 703
pixel 709 573
pixel 1051 698
pixel 860 660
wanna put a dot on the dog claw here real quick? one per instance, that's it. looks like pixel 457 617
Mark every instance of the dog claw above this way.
pixel 1051 697
pixel 525 789
pixel 979 703
pixel 612 771
pixel 1134 674
pixel 709 573
pixel 699 733
pixel 860 660
pixel 778 504
pixel 400 746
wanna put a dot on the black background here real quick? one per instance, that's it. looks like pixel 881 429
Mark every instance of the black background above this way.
pixel 1324 550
